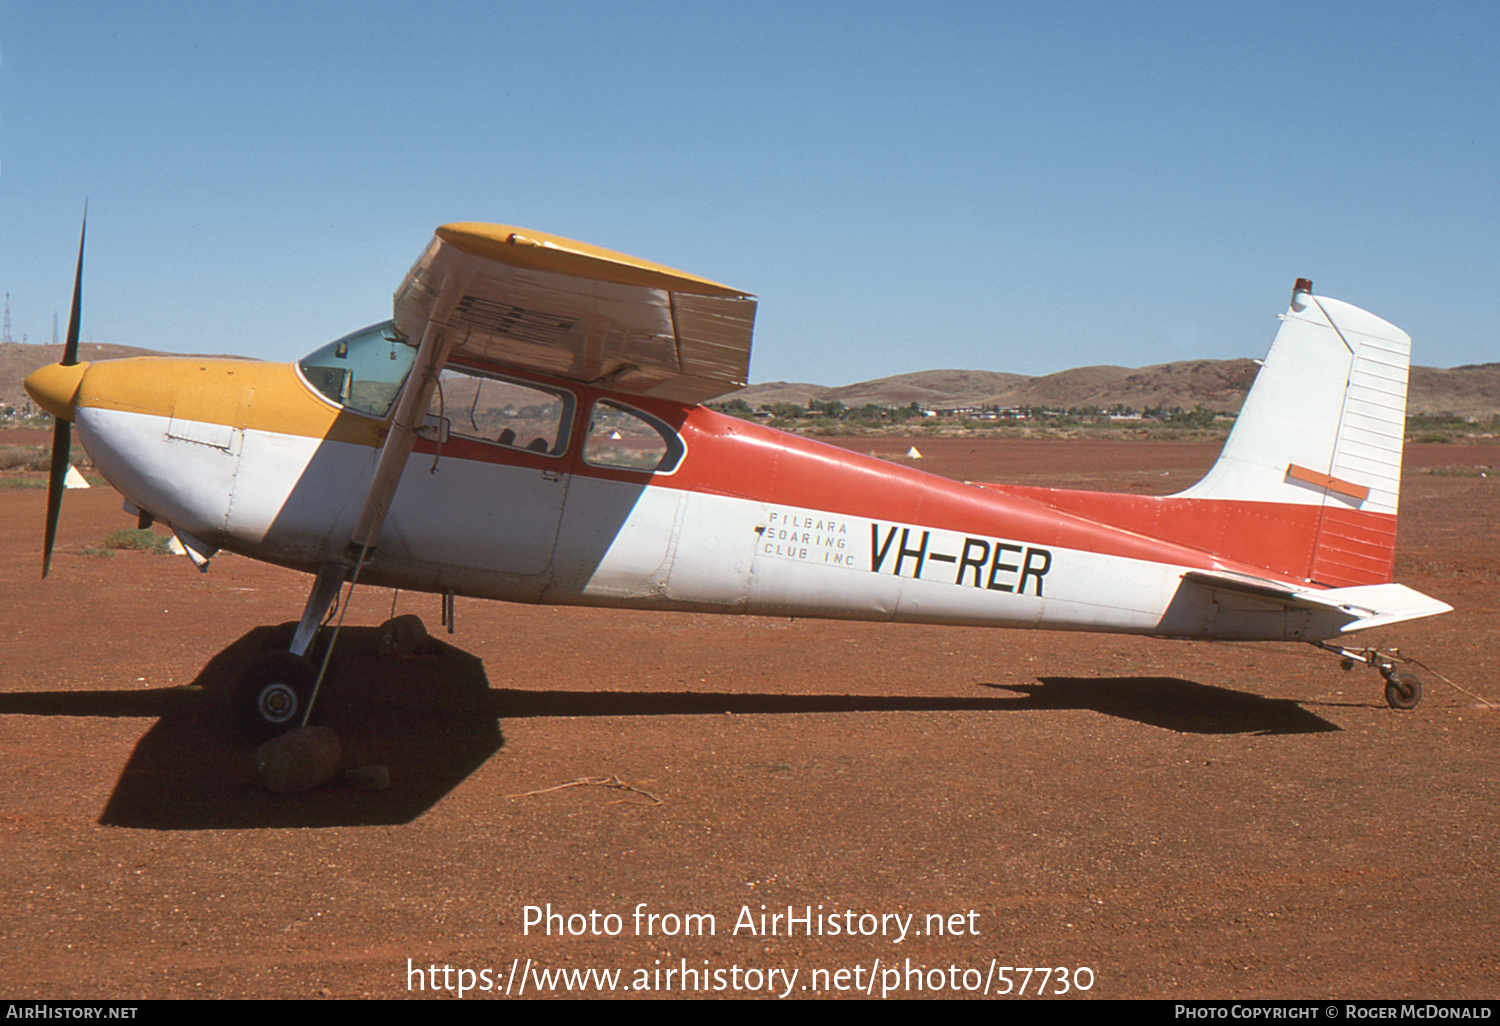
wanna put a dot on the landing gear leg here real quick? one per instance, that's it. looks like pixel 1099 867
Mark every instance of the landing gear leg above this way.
pixel 324 590
pixel 1402 690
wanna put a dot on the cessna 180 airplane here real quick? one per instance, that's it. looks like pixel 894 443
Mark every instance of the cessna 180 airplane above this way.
pixel 529 427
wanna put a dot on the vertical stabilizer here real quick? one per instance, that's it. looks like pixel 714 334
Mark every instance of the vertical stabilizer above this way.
pixel 1323 427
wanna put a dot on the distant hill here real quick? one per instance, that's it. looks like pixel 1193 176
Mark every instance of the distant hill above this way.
pixel 937 388
pixel 1469 391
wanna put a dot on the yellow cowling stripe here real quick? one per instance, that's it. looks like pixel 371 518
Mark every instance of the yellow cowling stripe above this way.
pixel 237 393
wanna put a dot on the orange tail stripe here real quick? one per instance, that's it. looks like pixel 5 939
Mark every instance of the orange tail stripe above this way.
pixel 1333 484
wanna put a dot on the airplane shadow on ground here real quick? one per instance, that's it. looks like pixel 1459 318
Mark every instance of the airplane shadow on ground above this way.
pixel 434 719
pixel 1183 706
pixel 1178 705
pixel 429 719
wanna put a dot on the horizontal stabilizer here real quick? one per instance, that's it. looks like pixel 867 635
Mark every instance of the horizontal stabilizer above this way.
pixel 1370 605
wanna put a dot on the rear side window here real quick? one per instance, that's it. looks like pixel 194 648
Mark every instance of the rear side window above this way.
pixel 628 439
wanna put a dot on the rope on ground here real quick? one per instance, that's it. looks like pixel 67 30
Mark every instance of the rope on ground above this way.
pixel 610 781
pixel 1417 662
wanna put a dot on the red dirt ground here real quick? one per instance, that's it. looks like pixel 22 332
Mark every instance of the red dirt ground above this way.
pixel 1185 820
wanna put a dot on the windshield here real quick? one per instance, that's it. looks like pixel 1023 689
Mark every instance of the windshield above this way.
pixel 364 370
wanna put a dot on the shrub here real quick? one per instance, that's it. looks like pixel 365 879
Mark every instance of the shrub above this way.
pixel 24 459
pixel 139 538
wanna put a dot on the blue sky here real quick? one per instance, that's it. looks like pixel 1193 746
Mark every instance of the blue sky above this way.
pixel 1007 186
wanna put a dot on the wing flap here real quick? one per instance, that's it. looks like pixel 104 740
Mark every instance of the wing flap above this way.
pixel 564 308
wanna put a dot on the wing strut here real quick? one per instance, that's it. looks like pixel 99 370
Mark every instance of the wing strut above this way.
pixel 411 405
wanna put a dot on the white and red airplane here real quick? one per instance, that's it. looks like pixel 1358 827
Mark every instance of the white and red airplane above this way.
pixel 528 427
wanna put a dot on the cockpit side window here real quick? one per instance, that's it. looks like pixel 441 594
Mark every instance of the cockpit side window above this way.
pixel 364 370
pixel 496 410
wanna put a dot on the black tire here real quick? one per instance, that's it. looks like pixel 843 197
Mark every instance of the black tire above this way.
pixel 1403 691
pixel 271 696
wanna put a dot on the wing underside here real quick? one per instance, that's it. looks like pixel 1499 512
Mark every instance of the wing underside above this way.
pixel 543 303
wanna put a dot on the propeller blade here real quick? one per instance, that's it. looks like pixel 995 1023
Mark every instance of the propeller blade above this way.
pixel 62 440
pixel 70 347
pixel 62 433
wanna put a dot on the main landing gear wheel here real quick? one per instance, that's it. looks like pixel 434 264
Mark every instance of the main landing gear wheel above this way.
pixel 272 694
pixel 1403 690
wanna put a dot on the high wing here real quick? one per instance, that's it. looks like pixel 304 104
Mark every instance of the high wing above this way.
pixel 543 303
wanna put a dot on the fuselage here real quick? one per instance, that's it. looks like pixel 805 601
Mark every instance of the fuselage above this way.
pixel 738 518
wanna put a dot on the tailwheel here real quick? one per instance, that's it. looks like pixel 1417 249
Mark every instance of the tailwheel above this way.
pixel 1403 690
pixel 272 694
